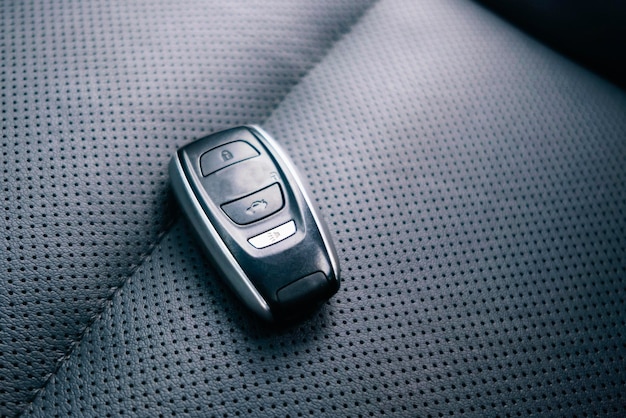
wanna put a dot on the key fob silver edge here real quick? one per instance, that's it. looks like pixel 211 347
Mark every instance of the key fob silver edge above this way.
pixel 214 245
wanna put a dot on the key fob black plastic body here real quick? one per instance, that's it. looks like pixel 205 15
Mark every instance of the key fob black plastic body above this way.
pixel 256 221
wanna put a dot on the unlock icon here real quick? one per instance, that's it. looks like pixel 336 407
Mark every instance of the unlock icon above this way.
pixel 227 155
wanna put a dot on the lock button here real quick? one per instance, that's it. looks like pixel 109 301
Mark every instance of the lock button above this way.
pixel 225 155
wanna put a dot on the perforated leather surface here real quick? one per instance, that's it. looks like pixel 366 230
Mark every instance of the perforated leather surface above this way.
pixel 96 96
pixel 474 184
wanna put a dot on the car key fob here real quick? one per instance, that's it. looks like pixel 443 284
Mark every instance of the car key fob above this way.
pixel 256 222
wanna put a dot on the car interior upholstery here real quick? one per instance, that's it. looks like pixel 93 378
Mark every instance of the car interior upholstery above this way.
pixel 469 159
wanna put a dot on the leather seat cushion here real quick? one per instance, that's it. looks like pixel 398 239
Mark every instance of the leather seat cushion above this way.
pixel 473 181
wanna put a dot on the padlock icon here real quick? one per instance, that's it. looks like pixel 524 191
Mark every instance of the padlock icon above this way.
pixel 227 155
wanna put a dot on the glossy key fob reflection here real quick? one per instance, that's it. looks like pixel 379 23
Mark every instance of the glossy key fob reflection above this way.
pixel 256 221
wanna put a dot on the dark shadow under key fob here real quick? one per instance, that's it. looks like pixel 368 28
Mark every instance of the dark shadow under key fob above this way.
pixel 256 222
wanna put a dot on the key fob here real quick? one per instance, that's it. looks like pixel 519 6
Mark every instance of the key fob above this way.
pixel 256 222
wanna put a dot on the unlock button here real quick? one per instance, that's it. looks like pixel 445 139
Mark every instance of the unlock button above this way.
pixel 255 206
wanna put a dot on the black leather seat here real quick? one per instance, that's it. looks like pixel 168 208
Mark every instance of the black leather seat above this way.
pixel 473 180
